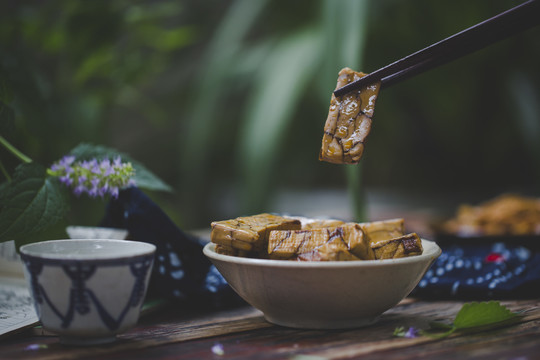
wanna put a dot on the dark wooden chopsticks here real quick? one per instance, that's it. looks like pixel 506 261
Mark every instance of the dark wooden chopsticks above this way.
pixel 505 24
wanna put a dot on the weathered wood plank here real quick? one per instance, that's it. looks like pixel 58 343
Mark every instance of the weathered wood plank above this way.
pixel 244 333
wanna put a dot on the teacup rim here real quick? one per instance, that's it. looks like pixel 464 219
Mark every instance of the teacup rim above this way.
pixel 144 250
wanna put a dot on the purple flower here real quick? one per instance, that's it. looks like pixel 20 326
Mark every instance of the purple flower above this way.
pixel 66 160
pixel 103 190
pixel 411 333
pixel 92 177
pixel 217 349
pixel 84 164
pixel 66 180
pixel 34 347
pixel 78 190
pixel 114 192
pixel 93 192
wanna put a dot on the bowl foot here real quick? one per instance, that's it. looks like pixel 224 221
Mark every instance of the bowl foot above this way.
pixel 321 324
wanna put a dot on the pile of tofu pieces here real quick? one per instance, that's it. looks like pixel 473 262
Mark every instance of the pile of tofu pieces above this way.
pixel 269 236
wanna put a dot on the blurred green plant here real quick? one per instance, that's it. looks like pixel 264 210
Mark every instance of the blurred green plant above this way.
pixel 261 102
pixel 32 201
pixel 346 31
pixel 280 72
pixel 234 99
pixel 73 65
pixel 68 71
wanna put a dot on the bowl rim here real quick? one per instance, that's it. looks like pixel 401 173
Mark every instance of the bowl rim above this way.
pixel 143 249
pixel 431 252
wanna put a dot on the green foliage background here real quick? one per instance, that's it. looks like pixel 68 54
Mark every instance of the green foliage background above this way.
pixel 226 100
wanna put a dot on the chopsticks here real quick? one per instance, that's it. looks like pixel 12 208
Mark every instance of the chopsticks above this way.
pixel 505 24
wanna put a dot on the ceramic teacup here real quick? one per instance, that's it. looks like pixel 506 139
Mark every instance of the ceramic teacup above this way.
pixel 88 290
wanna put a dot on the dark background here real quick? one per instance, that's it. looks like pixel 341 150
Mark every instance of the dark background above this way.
pixel 226 100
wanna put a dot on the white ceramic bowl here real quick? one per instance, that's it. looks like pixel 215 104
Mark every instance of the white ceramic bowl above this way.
pixel 88 290
pixel 323 295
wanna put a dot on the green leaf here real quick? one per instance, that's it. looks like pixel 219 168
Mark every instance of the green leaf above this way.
pixel 435 325
pixel 439 333
pixel 481 314
pixel 144 178
pixel 473 317
pixel 31 203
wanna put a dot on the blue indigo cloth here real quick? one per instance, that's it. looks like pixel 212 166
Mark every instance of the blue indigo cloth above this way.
pixel 483 270
pixel 181 270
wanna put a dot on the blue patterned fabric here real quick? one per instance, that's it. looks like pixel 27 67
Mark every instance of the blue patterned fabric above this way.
pixel 181 270
pixel 487 270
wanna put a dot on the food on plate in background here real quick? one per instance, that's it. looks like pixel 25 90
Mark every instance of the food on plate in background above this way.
pixel 277 237
pixel 507 214
pixel 349 121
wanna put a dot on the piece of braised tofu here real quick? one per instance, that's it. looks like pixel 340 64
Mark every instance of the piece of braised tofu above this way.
pixel 349 121
pixel 250 234
pixel 229 250
pixel 330 251
pixel 322 224
pixel 383 230
pixel 320 243
pixel 403 246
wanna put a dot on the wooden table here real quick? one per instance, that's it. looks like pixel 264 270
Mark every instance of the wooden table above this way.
pixel 175 332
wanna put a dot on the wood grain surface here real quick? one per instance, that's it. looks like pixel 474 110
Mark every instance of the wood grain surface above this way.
pixel 176 332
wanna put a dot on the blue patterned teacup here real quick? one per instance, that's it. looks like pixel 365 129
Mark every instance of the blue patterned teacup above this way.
pixel 87 291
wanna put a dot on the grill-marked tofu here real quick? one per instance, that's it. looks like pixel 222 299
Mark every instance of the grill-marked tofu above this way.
pixel 320 242
pixel 349 121
pixel 305 239
pixel 229 250
pixel 406 245
pixel 322 224
pixel 314 223
pixel 330 251
pixel 383 230
pixel 250 234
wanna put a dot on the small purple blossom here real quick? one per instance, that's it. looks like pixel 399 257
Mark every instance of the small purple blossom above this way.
pixel 66 180
pixel 217 349
pixel 93 177
pixel 78 190
pixel 93 192
pixel 410 333
pixel 34 347
pixel 103 190
pixel 66 161
pixel 114 191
